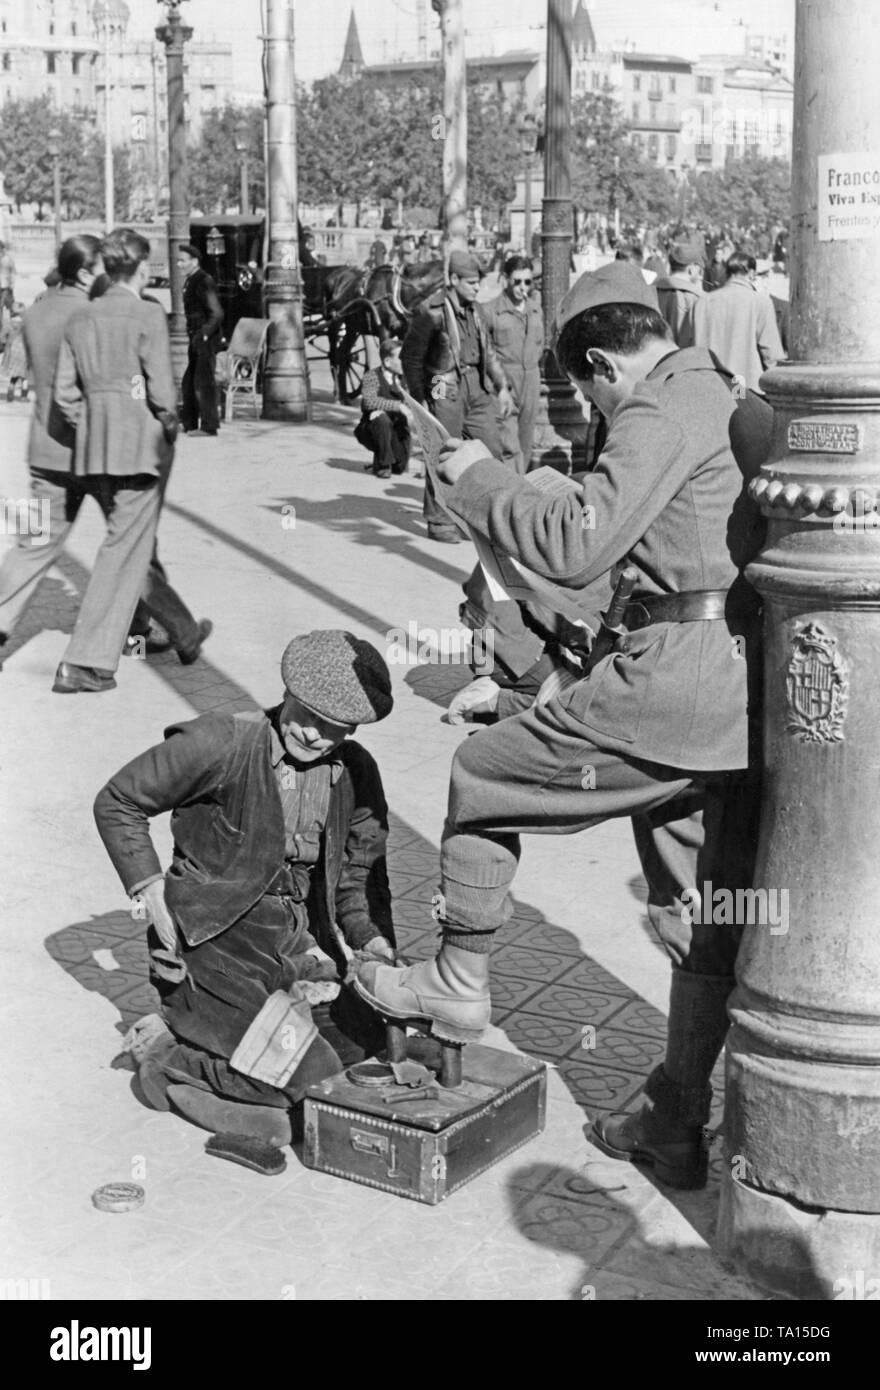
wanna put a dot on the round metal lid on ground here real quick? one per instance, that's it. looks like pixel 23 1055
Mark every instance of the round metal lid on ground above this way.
pixel 118 1196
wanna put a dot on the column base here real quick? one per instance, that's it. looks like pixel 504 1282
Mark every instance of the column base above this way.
pixel 798 1252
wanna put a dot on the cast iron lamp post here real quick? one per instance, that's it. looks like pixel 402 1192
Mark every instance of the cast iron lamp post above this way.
pixel 528 144
pixel 174 34
pixel 54 147
pixel 241 144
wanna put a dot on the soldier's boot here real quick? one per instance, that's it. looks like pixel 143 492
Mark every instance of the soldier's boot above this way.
pixel 667 1132
pixel 449 994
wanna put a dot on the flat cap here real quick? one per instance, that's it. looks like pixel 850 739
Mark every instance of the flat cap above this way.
pixel 463 263
pixel 338 676
pixel 189 250
pixel 618 282
pixel 688 251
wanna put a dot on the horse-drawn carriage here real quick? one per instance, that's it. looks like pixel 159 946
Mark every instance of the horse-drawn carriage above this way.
pixel 342 306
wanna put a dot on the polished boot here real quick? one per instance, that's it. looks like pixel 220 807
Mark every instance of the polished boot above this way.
pixel 267 1122
pixel 678 1154
pixel 77 680
pixel 449 993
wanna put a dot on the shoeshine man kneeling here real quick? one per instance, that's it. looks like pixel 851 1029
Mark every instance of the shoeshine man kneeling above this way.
pixel 280 824
pixel 658 730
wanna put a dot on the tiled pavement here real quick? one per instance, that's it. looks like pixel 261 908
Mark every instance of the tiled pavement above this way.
pixel 577 981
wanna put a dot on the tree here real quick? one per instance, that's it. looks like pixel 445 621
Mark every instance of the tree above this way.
pixel 749 192
pixel 607 171
pixel 214 163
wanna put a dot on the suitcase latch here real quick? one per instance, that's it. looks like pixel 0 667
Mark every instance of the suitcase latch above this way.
pixel 379 1145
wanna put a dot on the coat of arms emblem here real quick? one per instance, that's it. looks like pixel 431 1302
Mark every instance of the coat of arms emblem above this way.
pixel 817 685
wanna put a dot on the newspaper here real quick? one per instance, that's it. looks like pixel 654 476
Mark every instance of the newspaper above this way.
pixel 506 578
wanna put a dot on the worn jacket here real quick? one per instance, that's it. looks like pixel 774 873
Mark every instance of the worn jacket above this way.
pixel 517 337
pixel 678 296
pixel 380 391
pixel 114 385
pixel 203 310
pixel 738 324
pixel 668 497
pixel 432 347
pixel 215 775
pixel 50 445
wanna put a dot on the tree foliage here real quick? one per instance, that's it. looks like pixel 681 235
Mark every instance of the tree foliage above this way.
pixel 214 164
pixel 28 168
pixel 747 192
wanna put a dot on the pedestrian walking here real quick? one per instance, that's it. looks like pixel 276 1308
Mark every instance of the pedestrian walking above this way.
pixel 200 412
pixel 115 388
pixel 658 730
pixel 450 365
pixel 14 361
pixel 384 426
pixel 679 291
pixel 7 279
pixel 738 325
pixel 516 331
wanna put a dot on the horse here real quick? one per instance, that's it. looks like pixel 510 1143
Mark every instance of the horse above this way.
pixel 377 303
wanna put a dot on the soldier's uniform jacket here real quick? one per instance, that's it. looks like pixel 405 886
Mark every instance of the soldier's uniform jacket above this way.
pixel 432 347
pixel 677 296
pixel 668 498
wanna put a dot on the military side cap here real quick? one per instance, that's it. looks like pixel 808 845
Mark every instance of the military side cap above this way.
pixel 688 251
pixel 463 263
pixel 338 676
pixel 618 282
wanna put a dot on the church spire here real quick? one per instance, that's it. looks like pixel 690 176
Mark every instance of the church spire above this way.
pixel 353 56
pixel 583 38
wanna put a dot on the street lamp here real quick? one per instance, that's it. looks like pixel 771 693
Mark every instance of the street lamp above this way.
pixel 174 34
pixel 242 130
pixel 54 147
pixel 398 193
pixel 528 143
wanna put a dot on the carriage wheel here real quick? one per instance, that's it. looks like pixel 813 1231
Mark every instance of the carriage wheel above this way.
pixel 350 370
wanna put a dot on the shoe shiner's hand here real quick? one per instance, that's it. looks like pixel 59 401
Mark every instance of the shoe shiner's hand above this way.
pixel 458 455
pixel 157 911
pixel 378 947
pixel 480 697
pixel 506 405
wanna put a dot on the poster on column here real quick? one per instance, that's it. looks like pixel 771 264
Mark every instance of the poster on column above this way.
pixel 849 196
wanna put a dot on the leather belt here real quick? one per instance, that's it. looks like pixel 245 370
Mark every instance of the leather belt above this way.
pixel 699 605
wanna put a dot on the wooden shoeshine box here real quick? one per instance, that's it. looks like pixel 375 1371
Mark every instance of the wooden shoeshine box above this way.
pixel 426 1149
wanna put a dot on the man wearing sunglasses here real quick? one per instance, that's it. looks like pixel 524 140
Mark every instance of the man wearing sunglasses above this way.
pixel 516 330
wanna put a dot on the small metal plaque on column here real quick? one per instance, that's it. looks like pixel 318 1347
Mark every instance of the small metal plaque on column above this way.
pixel 814 436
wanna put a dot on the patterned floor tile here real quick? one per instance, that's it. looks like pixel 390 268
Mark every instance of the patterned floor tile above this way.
pixel 599 1089
pixel 586 974
pixel 581 1006
pixel 588 1231
pixel 540 935
pixel 529 965
pixel 638 1016
pixel 611 1047
pixel 513 1269
pixel 545 1037
pixel 598 1181
pixel 509 994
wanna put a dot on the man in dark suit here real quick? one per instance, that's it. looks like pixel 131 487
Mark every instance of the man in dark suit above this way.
pixel 114 386
pixel 204 323
pixel 450 364
pixel 56 495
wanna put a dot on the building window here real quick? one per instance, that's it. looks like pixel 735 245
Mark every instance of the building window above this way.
pixel 636 111
pixel 653 148
pixel 637 144
pixel 50 62
pixel 74 64
pixel 73 27
pixel 671 84
pixel 655 90
pixel 705 84
pixel 704 153
pixel 637 82
pixel 138 98
pixel 596 82
pixel 670 146
pixel 51 29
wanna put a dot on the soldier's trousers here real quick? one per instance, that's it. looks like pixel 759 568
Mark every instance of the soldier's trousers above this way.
pixel 538 773
pixel 472 415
